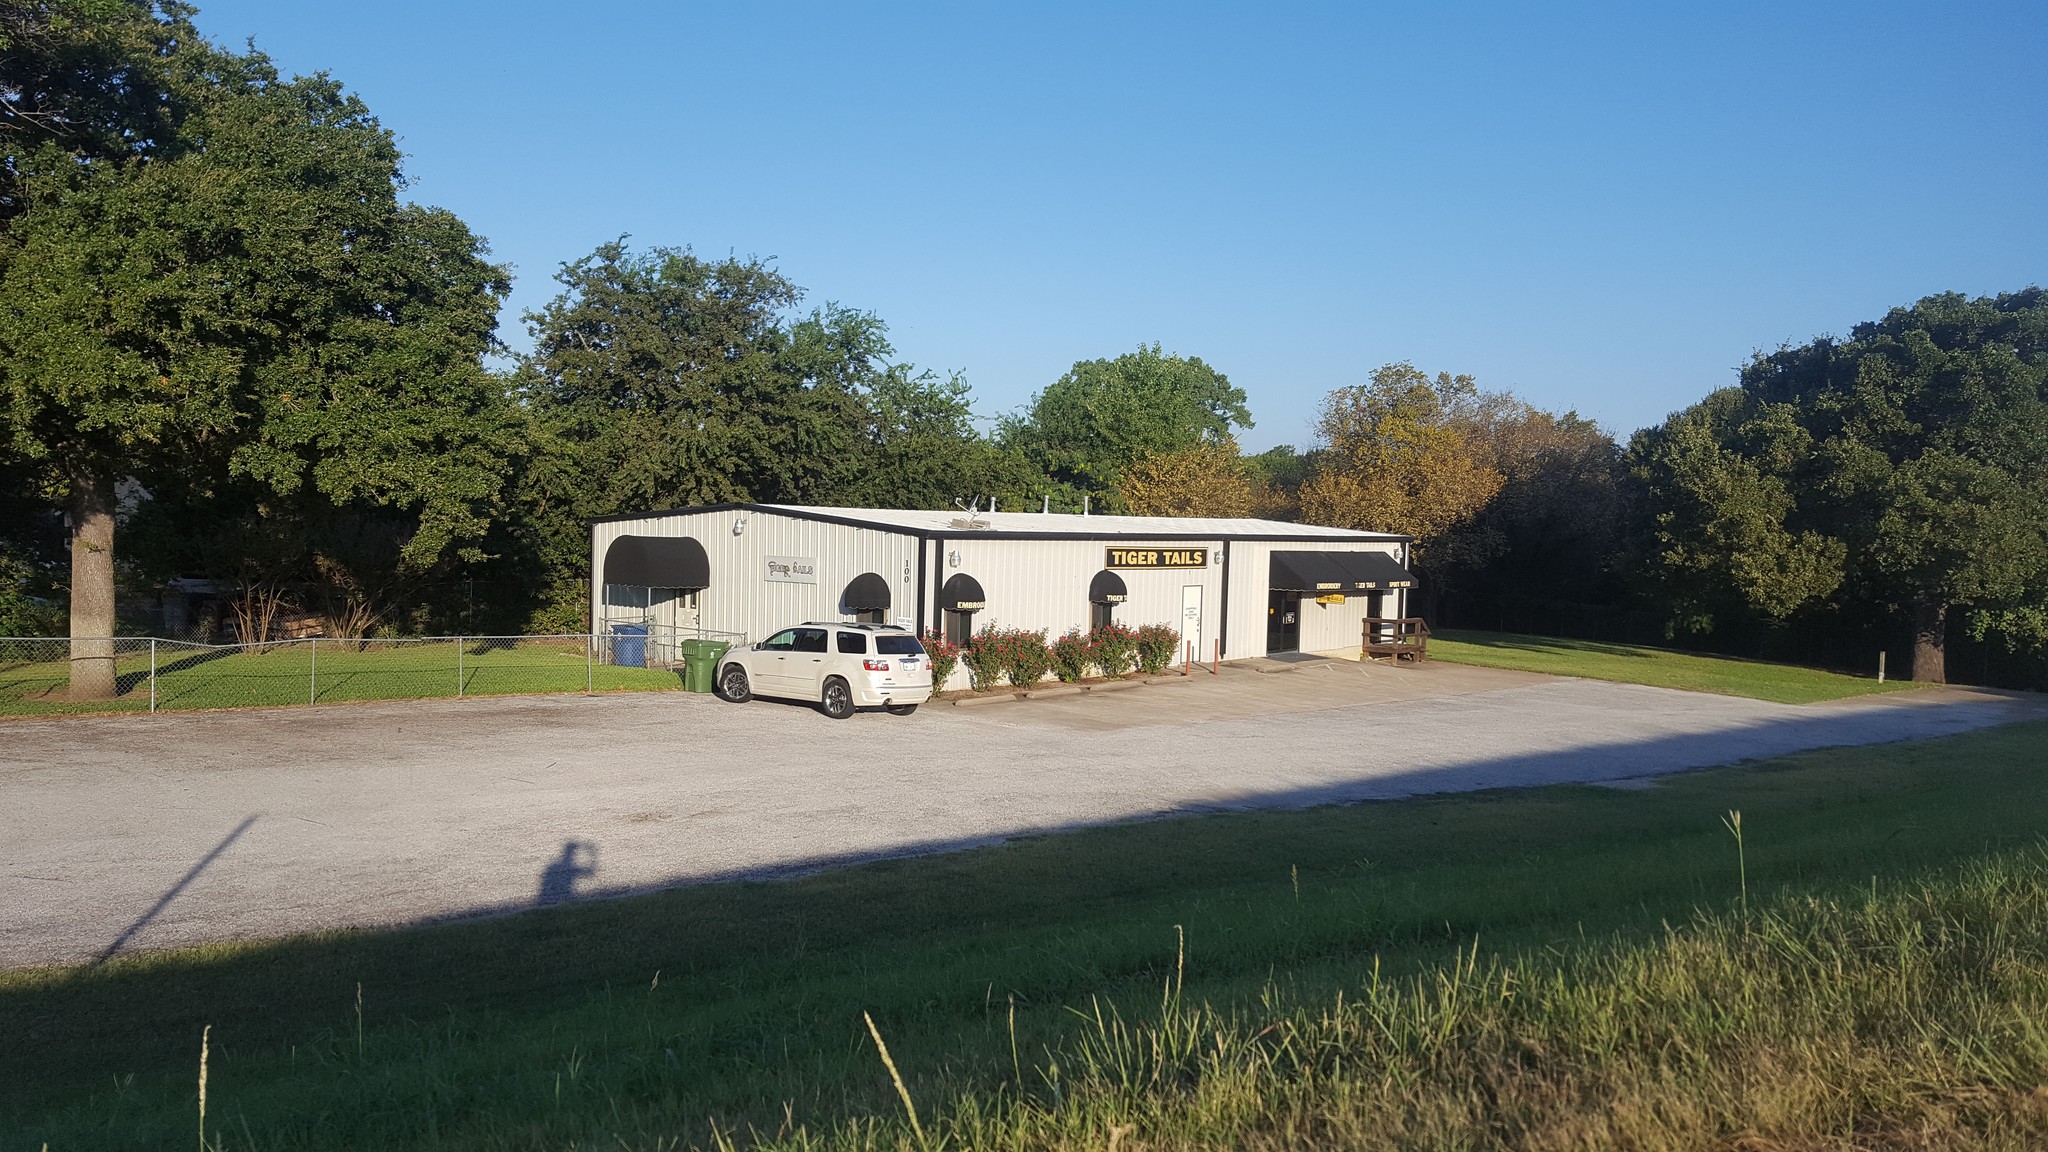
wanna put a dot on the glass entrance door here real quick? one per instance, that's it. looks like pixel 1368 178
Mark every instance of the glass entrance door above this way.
pixel 1283 622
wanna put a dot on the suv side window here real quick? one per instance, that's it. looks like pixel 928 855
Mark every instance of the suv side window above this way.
pixel 810 640
pixel 853 644
pixel 782 641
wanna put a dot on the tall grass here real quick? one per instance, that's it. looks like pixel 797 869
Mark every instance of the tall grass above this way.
pixel 1914 1017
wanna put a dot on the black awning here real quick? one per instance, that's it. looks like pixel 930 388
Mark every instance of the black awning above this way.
pixel 867 593
pixel 1375 571
pixel 1308 572
pixel 657 562
pixel 962 593
pixel 1107 588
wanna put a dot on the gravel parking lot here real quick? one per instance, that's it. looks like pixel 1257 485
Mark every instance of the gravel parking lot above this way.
pixel 125 833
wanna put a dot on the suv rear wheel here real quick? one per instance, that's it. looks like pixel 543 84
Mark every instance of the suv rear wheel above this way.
pixel 837 701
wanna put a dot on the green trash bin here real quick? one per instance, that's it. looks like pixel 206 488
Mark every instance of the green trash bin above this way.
pixel 700 663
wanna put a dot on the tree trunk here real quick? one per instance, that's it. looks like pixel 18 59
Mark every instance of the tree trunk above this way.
pixel 92 588
pixel 1930 635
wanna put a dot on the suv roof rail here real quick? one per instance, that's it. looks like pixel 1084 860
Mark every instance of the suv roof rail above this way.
pixel 863 626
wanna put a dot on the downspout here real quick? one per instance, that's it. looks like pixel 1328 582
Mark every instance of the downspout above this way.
pixel 1223 617
pixel 938 580
pixel 920 586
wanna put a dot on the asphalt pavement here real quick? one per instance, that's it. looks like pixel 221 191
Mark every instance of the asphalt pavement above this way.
pixel 127 833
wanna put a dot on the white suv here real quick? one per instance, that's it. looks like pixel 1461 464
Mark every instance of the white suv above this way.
pixel 841 667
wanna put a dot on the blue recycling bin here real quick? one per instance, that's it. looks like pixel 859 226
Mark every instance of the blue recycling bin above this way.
pixel 629 645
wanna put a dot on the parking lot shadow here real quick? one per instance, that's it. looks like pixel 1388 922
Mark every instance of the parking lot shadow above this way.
pixel 143 921
pixel 558 880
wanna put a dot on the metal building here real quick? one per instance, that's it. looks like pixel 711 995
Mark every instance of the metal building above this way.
pixel 1234 588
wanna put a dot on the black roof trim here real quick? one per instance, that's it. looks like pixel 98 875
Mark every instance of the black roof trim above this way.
pixel 991 534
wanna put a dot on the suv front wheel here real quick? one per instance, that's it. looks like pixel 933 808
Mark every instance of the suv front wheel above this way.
pixel 837 701
pixel 733 686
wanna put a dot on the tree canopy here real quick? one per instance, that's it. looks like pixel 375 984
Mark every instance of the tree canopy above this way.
pixel 1904 468
pixel 1399 455
pixel 660 379
pixel 1208 478
pixel 225 290
pixel 1091 424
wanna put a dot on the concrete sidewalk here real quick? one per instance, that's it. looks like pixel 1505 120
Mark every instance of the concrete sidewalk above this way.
pixel 121 833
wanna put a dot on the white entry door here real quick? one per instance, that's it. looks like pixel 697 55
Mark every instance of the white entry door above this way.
pixel 1191 619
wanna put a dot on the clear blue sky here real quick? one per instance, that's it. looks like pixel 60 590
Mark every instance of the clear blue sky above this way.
pixel 1605 208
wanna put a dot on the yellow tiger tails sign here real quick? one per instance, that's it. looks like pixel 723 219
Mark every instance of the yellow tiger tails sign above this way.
pixel 1156 558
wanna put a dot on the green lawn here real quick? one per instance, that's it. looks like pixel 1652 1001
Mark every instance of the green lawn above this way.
pixel 1660 667
pixel 1570 967
pixel 190 676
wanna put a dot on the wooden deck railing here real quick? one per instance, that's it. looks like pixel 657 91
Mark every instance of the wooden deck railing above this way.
pixel 1403 638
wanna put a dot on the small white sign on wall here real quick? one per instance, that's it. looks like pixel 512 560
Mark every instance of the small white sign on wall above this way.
pixel 792 570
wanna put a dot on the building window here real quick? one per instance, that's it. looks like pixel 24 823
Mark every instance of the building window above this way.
pixel 872 616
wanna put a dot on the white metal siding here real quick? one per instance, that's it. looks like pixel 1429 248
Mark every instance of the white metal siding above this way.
pixel 1324 628
pixel 1029 583
pixel 741 599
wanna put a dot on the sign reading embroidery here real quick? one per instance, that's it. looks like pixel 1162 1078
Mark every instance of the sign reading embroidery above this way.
pixel 1157 558
pixel 792 569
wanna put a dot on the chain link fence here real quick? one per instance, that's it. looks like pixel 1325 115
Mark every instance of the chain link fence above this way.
pixel 152 674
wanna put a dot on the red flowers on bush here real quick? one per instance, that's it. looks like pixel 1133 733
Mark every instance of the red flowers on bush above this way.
pixel 944 654
pixel 1071 656
pixel 1158 648
pixel 1113 648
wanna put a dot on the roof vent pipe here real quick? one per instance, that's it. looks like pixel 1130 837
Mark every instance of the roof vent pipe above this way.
pixel 1047 506
pixel 1084 504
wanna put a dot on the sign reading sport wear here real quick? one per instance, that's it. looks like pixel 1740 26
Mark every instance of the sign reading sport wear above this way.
pixel 1157 558
pixel 792 569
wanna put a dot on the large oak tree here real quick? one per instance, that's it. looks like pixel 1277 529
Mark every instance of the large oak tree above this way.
pixel 208 276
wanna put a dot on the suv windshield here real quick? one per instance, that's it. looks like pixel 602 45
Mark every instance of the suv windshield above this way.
pixel 898 646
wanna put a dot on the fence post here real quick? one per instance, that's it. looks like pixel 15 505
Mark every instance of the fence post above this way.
pixel 152 675
pixel 458 667
pixel 313 673
pixel 589 662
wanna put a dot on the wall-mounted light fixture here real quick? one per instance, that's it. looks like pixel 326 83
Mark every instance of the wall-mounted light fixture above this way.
pixel 953 558
pixel 739 524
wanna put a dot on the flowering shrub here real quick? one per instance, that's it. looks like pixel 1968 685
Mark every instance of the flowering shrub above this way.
pixel 983 656
pixel 1113 648
pixel 1026 659
pixel 1158 648
pixel 1071 656
pixel 945 656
